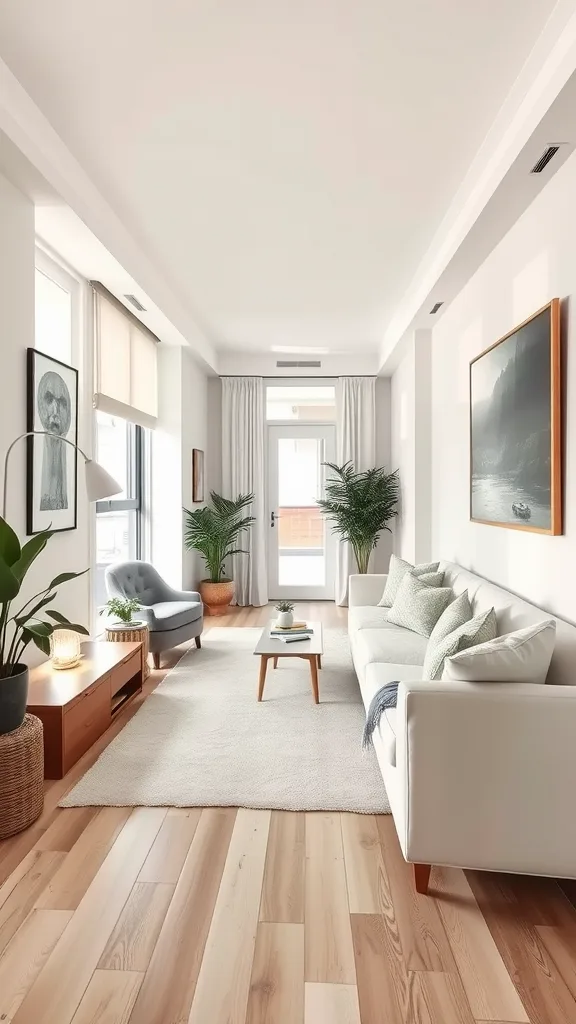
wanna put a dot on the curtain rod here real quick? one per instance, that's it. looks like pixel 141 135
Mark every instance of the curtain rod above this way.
pixel 102 290
pixel 287 376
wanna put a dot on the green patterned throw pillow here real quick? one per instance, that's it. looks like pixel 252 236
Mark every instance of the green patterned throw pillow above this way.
pixel 396 572
pixel 479 630
pixel 418 604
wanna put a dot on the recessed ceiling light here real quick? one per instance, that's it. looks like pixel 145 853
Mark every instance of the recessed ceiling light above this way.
pixel 300 349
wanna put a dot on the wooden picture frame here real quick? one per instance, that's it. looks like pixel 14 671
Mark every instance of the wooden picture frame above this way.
pixel 197 475
pixel 51 464
pixel 515 404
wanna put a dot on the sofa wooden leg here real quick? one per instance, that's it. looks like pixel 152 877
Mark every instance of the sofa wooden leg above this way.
pixel 422 877
pixel 198 642
pixel 156 659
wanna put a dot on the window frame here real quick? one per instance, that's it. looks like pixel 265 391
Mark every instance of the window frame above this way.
pixel 136 483
pixel 310 382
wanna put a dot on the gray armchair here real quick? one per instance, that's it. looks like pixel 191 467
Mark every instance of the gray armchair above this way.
pixel 173 616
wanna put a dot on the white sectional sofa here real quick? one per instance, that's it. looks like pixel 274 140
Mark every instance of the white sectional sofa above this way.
pixel 479 775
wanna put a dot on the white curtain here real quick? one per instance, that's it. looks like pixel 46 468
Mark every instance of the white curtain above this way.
pixel 243 426
pixel 355 442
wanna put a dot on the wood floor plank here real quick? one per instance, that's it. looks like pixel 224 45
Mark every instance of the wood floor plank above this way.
pixel 437 998
pixel 66 828
pixel 560 945
pixel 330 1004
pixel 277 982
pixel 363 862
pixel 79 867
pixel 283 890
pixel 423 939
pixel 542 988
pixel 224 979
pixel 41 868
pixel 165 860
pixel 166 993
pixel 329 955
pixel 132 942
pixel 57 992
pixel 381 998
pixel 26 954
pixel 488 984
pixel 109 998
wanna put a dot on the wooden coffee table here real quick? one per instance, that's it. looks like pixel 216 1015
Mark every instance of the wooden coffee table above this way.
pixel 310 650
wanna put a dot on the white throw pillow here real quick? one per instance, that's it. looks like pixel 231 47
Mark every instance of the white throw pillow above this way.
pixel 396 572
pixel 520 657
pixel 479 630
pixel 418 604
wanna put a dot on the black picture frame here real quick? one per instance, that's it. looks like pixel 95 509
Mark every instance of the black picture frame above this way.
pixel 51 465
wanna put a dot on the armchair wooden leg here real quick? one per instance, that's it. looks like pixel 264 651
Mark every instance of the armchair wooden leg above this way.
pixel 198 642
pixel 422 877
pixel 156 659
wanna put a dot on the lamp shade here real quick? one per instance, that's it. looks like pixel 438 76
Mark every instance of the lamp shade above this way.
pixel 99 483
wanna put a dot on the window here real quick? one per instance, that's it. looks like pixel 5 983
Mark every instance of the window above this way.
pixel 305 402
pixel 121 449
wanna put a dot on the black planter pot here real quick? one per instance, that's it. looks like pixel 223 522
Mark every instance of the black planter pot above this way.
pixel 13 697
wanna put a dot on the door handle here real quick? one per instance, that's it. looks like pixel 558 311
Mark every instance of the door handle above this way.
pixel 273 517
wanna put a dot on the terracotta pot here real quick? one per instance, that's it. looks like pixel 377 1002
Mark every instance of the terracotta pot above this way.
pixel 216 596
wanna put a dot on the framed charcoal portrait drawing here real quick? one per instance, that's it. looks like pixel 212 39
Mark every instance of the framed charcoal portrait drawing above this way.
pixel 197 475
pixel 515 428
pixel 52 468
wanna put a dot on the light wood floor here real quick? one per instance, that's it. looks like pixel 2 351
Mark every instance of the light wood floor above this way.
pixel 219 916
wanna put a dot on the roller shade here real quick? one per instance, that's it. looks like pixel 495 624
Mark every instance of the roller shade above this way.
pixel 125 372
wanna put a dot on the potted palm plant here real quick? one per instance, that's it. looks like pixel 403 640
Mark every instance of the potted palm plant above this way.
pixel 360 506
pixel 214 530
pixel 28 624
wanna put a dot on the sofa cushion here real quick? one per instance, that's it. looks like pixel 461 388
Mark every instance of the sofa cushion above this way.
pixel 388 646
pixel 520 657
pixel 171 614
pixel 478 630
pixel 396 572
pixel 375 678
pixel 418 604
pixel 368 617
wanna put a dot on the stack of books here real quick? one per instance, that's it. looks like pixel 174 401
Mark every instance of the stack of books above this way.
pixel 297 631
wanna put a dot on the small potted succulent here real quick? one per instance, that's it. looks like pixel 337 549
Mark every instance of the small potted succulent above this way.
pixel 285 611
pixel 123 608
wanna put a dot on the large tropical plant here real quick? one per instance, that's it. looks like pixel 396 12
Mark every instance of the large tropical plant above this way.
pixel 28 624
pixel 214 530
pixel 360 506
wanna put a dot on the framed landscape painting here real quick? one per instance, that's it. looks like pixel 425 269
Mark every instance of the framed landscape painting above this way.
pixel 51 463
pixel 515 428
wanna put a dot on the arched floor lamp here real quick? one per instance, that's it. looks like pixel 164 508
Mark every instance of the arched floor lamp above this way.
pixel 99 483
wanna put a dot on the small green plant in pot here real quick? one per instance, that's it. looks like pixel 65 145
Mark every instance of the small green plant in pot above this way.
pixel 123 608
pixel 360 506
pixel 33 622
pixel 285 611
pixel 214 530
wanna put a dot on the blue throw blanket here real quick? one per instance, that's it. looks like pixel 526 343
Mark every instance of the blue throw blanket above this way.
pixel 384 698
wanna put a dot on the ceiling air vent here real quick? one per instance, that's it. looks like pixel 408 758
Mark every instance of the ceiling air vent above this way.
pixel 545 159
pixel 298 363
pixel 436 307
pixel 136 303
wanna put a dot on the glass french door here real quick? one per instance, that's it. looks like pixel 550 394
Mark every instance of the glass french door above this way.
pixel 301 548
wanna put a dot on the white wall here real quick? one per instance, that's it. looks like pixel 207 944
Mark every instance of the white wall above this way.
pixel 65 551
pixel 411 447
pixel 534 262
pixel 182 426
pixel 383 458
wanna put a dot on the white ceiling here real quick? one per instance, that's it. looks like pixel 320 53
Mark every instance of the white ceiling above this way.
pixel 284 165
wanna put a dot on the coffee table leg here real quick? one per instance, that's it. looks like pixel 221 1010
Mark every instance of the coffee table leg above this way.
pixel 319 661
pixel 313 659
pixel 262 679
pixel 276 661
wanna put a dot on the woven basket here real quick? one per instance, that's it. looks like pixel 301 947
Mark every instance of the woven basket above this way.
pixel 131 634
pixel 21 776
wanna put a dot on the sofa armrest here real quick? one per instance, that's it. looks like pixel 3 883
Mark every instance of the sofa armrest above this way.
pixel 366 589
pixel 486 775
pixel 182 595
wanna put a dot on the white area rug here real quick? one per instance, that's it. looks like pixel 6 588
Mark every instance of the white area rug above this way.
pixel 201 739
